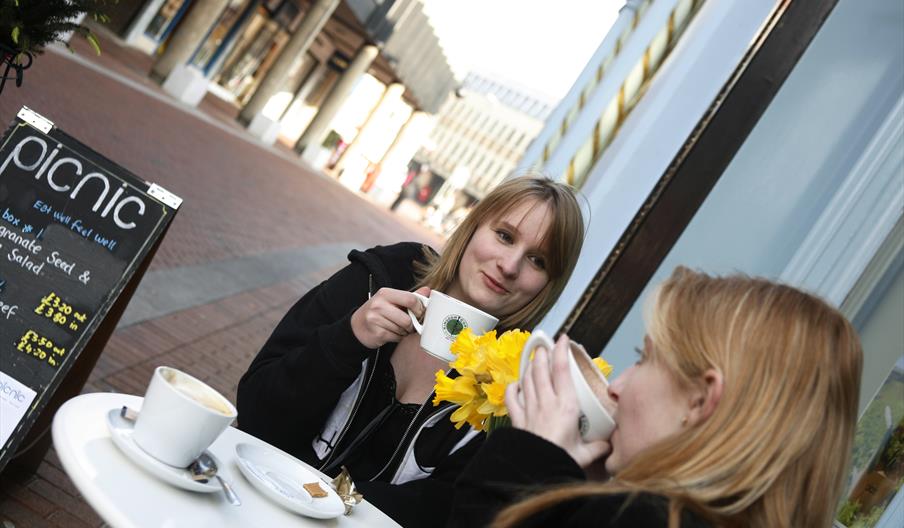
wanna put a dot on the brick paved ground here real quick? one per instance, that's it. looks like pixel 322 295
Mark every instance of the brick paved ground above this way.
pixel 241 199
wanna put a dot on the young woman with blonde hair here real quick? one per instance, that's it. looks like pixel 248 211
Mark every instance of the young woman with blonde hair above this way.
pixel 342 381
pixel 739 412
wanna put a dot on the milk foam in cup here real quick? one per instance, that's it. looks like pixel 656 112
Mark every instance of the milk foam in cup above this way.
pixel 180 417
pixel 197 391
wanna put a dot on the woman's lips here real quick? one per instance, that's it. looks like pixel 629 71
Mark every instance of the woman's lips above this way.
pixel 492 284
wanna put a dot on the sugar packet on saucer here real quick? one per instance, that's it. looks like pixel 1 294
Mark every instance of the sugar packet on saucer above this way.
pixel 345 488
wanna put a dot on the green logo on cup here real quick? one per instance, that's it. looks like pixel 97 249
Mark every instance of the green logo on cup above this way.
pixel 583 424
pixel 453 325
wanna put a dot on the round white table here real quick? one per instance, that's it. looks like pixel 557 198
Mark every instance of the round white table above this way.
pixel 126 496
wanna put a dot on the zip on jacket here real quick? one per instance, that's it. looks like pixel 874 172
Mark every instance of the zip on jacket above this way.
pixel 368 368
pixel 404 467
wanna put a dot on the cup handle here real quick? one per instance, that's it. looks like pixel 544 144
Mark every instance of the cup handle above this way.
pixel 417 325
pixel 538 338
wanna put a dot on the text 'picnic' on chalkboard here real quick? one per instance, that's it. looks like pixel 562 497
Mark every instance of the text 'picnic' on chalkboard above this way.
pixel 74 227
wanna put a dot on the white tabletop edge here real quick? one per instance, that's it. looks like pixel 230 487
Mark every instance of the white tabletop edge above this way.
pixel 80 432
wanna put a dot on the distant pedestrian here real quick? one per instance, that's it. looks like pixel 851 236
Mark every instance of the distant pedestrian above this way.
pixel 343 381
pixel 416 185
pixel 406 191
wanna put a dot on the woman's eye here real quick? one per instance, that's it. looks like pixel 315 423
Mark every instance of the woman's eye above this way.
pixel 538 262
pixel 503 236
pixel 640 355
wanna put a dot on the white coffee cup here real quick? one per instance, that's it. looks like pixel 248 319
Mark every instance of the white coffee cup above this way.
pixel 180 417
pixel 444 319
pixel 590 386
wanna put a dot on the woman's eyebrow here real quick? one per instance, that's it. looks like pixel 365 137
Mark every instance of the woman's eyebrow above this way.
pixel 507 224
pixel 542 248
pixel 516 229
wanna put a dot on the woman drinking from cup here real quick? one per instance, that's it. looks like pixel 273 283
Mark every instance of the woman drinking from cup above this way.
pixel 740 411
pixel 343 380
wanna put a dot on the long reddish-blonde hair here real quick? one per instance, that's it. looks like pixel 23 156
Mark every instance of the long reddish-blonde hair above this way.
pixel 563 240
pixel 776 449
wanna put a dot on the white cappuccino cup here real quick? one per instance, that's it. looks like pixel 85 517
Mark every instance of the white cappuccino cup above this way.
pixel 444 319
pixel 590 386
pixel 180 417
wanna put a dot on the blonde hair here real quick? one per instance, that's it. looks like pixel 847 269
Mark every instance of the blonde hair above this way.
pixel 775 450
pixel 563 240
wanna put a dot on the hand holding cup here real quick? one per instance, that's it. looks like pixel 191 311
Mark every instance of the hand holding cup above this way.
pixel 384 317
pixel 561 401
pixel 444 319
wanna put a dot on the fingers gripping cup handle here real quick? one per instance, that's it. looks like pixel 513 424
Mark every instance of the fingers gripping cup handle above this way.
pixel 417 325
pixel 595 422
pixel 536 339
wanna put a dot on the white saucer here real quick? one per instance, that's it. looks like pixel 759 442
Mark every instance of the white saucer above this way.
pixel 279 477
pixel 121 432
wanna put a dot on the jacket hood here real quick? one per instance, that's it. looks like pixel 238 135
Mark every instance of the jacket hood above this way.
pixel 391 265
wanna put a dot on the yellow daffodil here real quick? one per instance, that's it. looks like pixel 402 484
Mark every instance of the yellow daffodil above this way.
pixel 504 361
pixel 603 365
pixel 495 402
pixel 465 348
pixel 486 366
pixel 467 413
pixel 460 390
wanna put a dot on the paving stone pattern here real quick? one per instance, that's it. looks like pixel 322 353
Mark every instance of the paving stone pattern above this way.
pixel 243 202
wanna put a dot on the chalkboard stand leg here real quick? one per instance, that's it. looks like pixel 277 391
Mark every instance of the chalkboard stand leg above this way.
pixel 38 440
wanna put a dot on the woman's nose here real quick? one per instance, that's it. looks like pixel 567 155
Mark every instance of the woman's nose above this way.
pixel 509 263
pixel 615 387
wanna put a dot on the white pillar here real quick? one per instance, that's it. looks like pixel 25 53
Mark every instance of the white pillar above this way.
pixel 314 20
pixel 188 37
pixel 319 126
pixel 135 35
pixel 391 95
pixel 394 165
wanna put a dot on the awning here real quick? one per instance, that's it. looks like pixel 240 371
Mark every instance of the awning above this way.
pixel 410 48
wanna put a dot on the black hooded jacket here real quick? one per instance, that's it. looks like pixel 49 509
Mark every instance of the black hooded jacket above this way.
pixel 311 391
pixel 515 464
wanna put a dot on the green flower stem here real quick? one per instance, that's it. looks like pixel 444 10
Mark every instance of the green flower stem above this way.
pixel 497 422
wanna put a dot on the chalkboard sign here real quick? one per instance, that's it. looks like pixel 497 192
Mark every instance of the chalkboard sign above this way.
pixel 74 227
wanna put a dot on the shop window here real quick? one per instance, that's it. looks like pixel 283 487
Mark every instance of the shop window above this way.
pixel 165 18
pixel 223 34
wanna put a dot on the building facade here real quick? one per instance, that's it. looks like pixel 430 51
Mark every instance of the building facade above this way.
pixel 485 131
pixel 479 136
pixel 618 74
